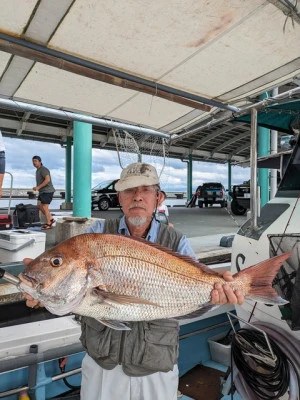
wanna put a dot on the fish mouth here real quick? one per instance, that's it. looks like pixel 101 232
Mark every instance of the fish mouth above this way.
pixel 29 281
pixel 51 301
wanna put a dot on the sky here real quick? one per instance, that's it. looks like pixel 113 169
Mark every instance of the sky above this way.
pixel 105 165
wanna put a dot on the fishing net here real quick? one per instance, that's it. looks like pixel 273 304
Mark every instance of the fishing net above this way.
pixel 137 147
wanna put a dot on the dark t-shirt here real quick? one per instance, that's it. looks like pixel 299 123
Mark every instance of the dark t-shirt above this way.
pixel 41 174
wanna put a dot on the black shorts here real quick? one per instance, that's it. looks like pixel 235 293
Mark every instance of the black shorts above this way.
pixel 45 197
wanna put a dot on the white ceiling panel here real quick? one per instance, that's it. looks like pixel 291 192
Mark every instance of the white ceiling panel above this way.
pixel 73 91
pixel 150 111
pixel 147 38
pixel 4 58
pixel 251 47
pixel 15 15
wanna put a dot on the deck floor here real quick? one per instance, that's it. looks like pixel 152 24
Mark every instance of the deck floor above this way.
pixel 201 383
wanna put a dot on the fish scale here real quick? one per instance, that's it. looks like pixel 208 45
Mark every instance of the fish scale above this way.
pixel 120 278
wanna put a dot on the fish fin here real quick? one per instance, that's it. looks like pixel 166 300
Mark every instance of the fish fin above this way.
pixel 262 276
pixel 116 325
pixel 121 298
pixel 198 312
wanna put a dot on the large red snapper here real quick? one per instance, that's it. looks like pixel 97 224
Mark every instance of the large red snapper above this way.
pixel 121 278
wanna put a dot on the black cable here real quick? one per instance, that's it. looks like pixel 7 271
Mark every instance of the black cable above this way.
pixel 266 381
pixel 61 364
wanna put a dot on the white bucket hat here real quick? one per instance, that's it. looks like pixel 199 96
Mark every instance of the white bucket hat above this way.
pixel 137 174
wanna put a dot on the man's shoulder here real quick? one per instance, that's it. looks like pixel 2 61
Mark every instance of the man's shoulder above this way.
pixel 43 170
pixel 169 237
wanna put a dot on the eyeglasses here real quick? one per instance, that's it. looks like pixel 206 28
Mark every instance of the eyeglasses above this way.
pixel 142 190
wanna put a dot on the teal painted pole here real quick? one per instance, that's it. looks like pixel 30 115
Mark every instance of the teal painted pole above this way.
pixel 68 185
pixel 82 169
pixel 263 149
pixel 229 179
pixel 190 178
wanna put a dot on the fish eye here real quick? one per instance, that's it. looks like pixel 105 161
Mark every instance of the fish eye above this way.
pixel 56 261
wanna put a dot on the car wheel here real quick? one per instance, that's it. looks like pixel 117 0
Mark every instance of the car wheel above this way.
pixel 222 204
pixel 200 204
pixel 103 204
pixel 206 204
pixel 237 209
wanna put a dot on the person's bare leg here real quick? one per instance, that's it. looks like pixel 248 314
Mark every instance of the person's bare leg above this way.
pixel 46 212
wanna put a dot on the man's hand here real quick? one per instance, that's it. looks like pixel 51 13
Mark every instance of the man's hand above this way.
pixel 223 294
pixel 30 301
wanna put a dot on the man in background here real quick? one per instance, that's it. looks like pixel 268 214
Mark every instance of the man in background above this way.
pixel 46 190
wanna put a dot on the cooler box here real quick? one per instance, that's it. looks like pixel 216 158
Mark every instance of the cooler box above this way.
pixel 18 244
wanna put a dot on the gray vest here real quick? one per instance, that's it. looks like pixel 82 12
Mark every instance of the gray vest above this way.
pixel 150 346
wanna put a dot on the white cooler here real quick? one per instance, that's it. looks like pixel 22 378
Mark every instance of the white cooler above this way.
pixel 18 244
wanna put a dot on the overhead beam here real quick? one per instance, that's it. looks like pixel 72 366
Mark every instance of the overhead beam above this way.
pixel 215 134
pixel 71 116
pixel 219 157
pixel 231 141
pixel 25 118
pixel 79 66
pixel 239 150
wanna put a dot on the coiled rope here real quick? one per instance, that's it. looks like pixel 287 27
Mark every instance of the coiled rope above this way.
pixel 267 377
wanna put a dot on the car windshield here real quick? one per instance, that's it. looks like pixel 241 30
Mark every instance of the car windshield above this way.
pixel 212 185
pixel 102 185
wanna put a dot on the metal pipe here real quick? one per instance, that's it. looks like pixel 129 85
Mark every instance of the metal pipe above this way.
pixel 253 166
pixel 70 116
pixel 29 359
pixel 54 379
pixel 273 150
pixel 8 393
pixel 66 374
pixel 33 372
pixel 209 328
pixel 60 56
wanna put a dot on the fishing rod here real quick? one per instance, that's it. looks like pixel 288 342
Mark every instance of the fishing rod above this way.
pixel 9 277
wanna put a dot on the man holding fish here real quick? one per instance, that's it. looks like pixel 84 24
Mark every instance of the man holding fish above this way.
pixel 136 360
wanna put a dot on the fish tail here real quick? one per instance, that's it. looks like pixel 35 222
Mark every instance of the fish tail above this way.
pixel 261 277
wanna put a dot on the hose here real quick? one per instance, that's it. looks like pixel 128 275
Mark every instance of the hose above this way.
pixel 260 378
pixel 62 366
pixel 268 378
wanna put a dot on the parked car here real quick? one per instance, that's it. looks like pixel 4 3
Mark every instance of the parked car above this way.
pixel 212 193
pixel 104 195
pixel 240 202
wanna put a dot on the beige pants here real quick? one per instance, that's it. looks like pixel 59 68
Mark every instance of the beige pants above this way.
pixel 101 384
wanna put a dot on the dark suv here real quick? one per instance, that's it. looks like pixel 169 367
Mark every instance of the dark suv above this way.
pixel 212 193
pixel 104 195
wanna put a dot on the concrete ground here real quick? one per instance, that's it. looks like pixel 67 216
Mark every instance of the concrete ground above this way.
pixel 203 226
